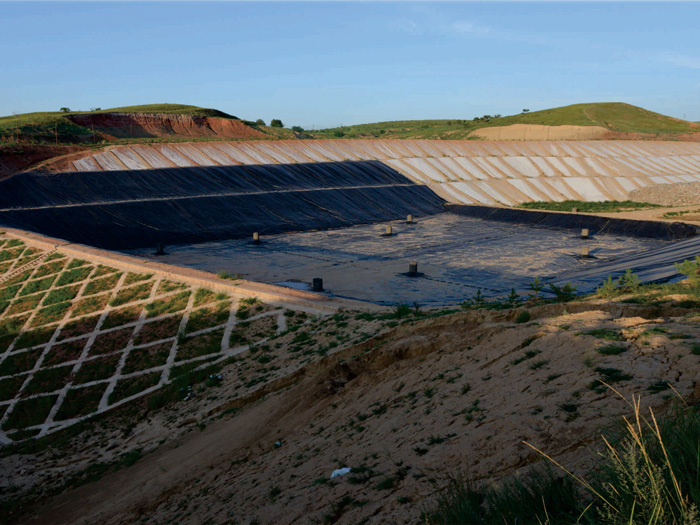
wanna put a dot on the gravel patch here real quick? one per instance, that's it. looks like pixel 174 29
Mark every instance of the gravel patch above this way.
pixel 676 194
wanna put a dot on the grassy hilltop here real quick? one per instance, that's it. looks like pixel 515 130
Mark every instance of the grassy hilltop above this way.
pixel 57 126
pixel 615 116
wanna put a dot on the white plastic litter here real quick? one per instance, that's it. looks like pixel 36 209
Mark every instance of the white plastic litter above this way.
pixel 340 472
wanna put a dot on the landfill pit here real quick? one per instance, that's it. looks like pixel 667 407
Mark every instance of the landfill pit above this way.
pixel 456 257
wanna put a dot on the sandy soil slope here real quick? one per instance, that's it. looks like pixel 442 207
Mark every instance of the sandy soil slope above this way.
pixel 539 132
pixel 566 132
pixel 403 409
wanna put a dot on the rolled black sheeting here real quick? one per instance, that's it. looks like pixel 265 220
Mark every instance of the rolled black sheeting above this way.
pixel 189 208
pixel 572 221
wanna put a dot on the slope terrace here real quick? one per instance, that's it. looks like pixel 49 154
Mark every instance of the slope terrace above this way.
pixel 465 172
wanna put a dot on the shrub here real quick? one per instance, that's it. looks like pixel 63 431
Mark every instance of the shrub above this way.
pixel 606 333
pixel 276 123
pixel 611 349
pixel 539 497
pixel 626 283
pixel 607 289
pixel 563 293
pixel 691 269
pixel 523 317
pixel 650 474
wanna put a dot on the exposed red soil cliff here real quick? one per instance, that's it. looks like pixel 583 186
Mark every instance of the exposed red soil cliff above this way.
pixel 20 157
pixel 143 125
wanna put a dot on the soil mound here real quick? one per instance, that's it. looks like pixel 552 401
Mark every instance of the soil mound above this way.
pixel 144 125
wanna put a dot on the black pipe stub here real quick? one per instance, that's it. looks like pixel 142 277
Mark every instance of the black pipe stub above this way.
pixel 585 253
pixel 256 238
pixel 413 270
pixel 317 284
pixel 160 250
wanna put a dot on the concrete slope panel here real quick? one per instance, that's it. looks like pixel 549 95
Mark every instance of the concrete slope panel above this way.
pixel 424 167
pixel 441 167
pixel 489 189
pixel 544 167
pixel 403 167
pixel 562 186
pixel 530 189
pixel 540 185
pixel 627 184
pixel 562 169
pixel 86 164
pixel 216 155
pixel 473 192
pixel 304 152
pixel 327 153
pixel 254 153
pixel 523 166
pixel 108 161
pixel 154 159
pixel 575 164
pixel 130 159
pixel 596 167
pixel 231 150
pixel 175 156
pixel 272 151
pixel 488 168
pixel 471 170
pixel 585 187
pixel 351 151
pixel 451 166
pixel 450 193
pixel 195 155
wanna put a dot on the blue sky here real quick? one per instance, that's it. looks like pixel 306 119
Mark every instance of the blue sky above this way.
pixel 321 64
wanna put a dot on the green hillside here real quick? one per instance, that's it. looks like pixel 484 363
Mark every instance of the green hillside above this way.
pixel 45 127
pixel 615 116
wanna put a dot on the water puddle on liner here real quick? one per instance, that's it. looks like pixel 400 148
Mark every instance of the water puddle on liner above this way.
pixel 456 255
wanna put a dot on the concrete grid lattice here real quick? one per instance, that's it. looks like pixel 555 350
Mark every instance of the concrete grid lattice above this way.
pixel 87 338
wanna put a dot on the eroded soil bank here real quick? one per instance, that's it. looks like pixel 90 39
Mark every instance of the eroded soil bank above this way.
pixel 418 400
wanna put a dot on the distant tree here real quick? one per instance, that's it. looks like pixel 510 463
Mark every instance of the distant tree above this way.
pixel 497 115
pixel 65 109
pixel 95 109
pixel 338 133
pixel 276 123
pixel 298 129
pixel 260 122
pixel 526 111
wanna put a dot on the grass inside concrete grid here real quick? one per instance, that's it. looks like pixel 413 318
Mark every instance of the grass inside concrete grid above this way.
pixel 76 338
